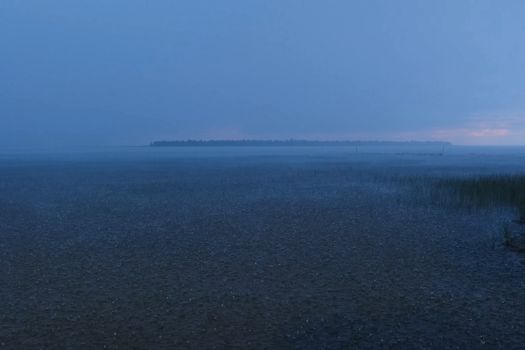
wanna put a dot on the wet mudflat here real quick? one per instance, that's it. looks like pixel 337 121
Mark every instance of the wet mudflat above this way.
pixel 251 252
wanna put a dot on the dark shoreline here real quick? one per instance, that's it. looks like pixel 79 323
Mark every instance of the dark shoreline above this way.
pixel 288 143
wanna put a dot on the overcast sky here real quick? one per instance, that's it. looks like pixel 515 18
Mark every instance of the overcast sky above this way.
pixel 110 72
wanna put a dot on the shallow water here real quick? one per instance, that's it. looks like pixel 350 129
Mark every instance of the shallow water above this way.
pixel 252 248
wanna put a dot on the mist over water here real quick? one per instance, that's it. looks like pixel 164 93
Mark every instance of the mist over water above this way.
pixel 432 153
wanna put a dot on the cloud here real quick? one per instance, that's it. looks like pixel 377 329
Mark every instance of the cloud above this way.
pixel 488 133
pixel 498 128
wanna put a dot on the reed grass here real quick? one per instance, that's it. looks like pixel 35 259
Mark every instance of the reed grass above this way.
pixel 508 190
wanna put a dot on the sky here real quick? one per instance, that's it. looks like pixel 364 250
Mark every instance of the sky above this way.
pixel 127 72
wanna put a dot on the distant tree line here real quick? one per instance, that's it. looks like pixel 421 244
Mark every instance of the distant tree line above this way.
pixel 290 142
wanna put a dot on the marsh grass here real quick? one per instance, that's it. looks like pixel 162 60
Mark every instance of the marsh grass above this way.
pixel 491 191
pixel 488 191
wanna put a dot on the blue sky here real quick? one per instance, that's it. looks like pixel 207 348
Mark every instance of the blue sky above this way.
pixel 128 71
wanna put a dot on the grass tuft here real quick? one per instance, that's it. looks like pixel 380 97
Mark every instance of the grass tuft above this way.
pixel 513 241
